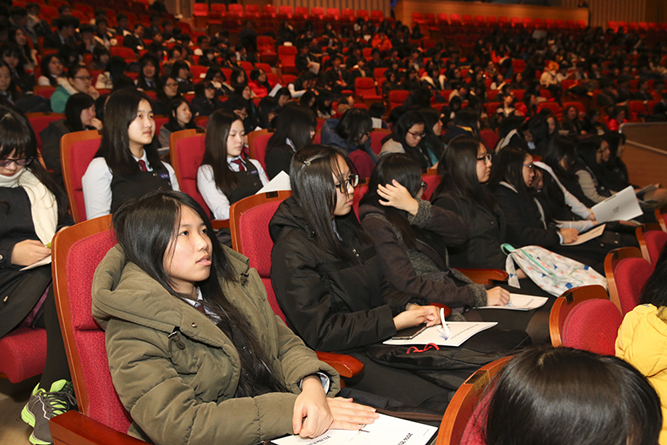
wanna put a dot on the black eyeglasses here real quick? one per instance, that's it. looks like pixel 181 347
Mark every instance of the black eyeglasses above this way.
pixel 486 158
pixel 344 185
pixel 19 162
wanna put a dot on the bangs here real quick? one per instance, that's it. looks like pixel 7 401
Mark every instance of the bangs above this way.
pixel 16 137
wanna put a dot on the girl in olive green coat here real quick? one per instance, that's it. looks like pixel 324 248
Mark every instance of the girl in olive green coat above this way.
pixel 195 352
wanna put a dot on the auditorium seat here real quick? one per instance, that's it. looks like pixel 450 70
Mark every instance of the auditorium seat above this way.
pixel 626 271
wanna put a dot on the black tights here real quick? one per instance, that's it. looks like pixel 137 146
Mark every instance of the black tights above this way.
pixel 56 359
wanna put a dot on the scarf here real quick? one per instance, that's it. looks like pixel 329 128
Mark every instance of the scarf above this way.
pixel 43 204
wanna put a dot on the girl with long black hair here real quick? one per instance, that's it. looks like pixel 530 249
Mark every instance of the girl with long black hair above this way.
pixel 329 282
pixel 201 357
pixel 127 164
pixel 225 176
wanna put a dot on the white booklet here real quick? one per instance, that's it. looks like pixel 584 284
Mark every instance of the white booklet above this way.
pixel 278 183
pixel 41 262
pixel 587 236
pixel 460 331
pixel 386 430
pixel 520 302
pixel 622 206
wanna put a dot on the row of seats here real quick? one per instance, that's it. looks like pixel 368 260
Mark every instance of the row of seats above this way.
pixel 443 19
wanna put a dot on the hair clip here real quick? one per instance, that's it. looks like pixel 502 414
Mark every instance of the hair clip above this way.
pixel 306 162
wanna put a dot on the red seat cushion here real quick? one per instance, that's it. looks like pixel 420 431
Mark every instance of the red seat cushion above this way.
pixel 592 326
pixel 23 353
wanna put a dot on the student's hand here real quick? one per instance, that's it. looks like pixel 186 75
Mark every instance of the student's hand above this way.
pixel 395 195
pixel 416 315
pixel 311 416
pixel 28 252
pixel 92 92
pixel 349 415
pixel 591 217
pixel 95 122
pixel 497 297
pixel 569 235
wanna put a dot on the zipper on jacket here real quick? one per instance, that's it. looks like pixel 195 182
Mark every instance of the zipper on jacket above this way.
pixel 176 338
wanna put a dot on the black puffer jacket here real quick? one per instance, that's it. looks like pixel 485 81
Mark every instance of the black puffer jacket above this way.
pixel 333 304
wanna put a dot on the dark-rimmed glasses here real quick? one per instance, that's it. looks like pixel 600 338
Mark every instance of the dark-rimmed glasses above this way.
pixel 344 186
pixel 19 162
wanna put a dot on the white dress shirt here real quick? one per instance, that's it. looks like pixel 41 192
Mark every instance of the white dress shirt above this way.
pixel 96 183
pixel 214 198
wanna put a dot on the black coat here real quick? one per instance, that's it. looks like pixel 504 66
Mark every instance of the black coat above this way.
pixel 333 304
pixel 487 233
pixel 20 290
pixel 524 226
pixel 423 269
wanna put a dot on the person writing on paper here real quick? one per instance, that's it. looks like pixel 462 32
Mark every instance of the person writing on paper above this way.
pixel 200 357
pixel 643 335
pixel 411 237
pixel 225 175
pixel 127 164
pixel 329 282
pixel 33 208
pixel 556 396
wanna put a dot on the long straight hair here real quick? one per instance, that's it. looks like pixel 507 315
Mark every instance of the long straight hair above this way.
pixel 215 154
pixel 312 174
pixel 458 169
pixel 120 111
pixel 407 172
pixel 146 229
pixel 17 135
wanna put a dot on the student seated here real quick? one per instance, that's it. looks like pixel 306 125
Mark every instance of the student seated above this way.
pixel 200 357
pixel 558 396
pixel 225 176
pixel 127 164
pixel 329 281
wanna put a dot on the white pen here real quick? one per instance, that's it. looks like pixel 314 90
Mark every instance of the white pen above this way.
pixel 448 333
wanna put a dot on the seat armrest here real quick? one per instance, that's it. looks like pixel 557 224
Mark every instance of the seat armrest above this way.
pixel 73 428
pixel 220 224
pixel 485 276
pixel 346 365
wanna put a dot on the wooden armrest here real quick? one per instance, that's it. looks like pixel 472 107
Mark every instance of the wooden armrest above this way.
pixel 73 428
pixel 447 309
pixel 485 276
pixel 220 224
pixel 346 365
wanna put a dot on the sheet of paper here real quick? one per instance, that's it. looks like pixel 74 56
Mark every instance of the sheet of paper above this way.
pixel 386 430
pixel 43 262
pixel 460 332
pixel 622 206
pixel 278 183
pixel 591 234
pixel 275 90
pixel 520 302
